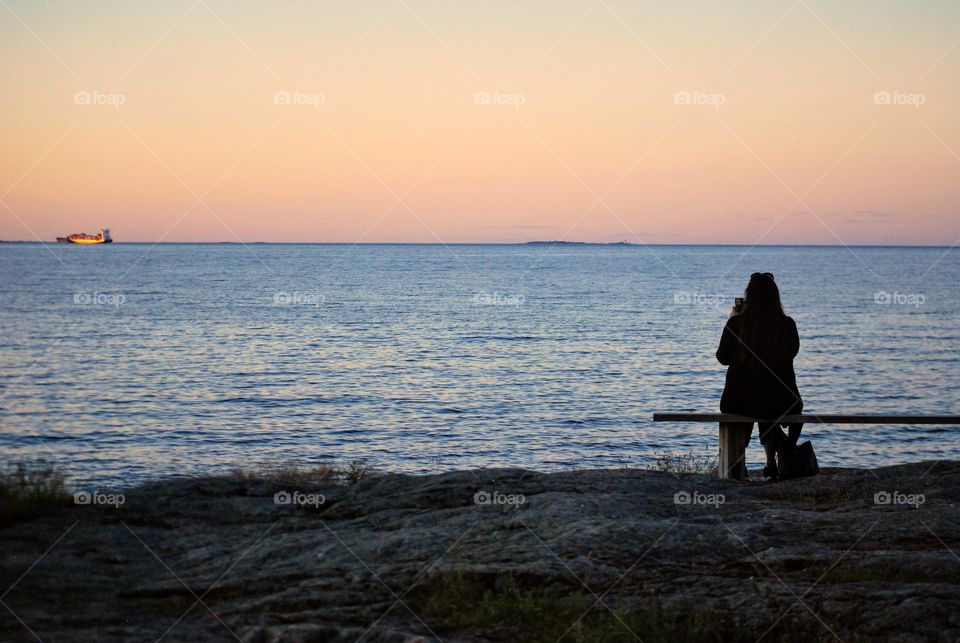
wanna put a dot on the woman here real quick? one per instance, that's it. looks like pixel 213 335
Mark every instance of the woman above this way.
pixel 758 345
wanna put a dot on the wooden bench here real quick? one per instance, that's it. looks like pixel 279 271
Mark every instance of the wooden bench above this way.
pixel 735 431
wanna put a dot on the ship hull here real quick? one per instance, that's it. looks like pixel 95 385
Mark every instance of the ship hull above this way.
pixel 87 239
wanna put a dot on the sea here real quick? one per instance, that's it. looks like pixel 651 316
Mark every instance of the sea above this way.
pixel 127 362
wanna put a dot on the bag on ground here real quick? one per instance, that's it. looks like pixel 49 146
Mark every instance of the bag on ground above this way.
pixel 795 461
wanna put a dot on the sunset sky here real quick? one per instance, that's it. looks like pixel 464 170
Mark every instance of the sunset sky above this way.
pixel 780 121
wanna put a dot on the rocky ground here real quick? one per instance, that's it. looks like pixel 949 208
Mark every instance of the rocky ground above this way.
pixel 586 556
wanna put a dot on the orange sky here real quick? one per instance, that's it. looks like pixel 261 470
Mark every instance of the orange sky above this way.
pixel 445 120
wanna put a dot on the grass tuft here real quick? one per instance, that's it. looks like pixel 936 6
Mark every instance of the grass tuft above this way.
pixel 307 475
pixel 686 463
pixel 357 471
pixel 289 473
pixel 29 491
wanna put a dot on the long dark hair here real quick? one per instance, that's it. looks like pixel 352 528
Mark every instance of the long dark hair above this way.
pixel 764 322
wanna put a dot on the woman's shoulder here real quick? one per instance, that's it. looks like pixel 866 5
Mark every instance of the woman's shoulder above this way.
pixel 734 320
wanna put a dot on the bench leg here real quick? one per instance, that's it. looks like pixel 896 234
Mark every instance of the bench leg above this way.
pixel 733 450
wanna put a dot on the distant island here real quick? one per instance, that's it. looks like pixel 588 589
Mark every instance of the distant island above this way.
pixel 578 243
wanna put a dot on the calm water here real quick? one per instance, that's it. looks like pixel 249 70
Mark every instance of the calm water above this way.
pixel 129 361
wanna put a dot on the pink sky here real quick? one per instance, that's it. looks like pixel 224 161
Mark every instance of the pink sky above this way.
pixel 435 121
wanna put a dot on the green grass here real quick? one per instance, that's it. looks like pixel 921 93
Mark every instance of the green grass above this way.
pixel 502 609
pixel 30 491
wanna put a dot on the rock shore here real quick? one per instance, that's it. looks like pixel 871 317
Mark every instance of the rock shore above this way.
pixel 498 555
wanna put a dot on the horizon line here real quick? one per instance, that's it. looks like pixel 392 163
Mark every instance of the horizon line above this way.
pixel 502 243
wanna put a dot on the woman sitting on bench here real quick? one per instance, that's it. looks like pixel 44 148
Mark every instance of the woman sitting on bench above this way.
pixel 758 345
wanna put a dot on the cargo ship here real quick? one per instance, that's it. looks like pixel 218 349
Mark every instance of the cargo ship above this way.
pixel 87 239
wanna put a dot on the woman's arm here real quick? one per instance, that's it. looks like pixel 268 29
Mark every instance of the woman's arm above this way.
pixel 728 344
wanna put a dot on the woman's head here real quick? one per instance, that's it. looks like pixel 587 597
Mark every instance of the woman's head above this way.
pixel 764 323
pixel 762 295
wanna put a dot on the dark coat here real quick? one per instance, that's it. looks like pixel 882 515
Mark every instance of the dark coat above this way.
pixel 766 390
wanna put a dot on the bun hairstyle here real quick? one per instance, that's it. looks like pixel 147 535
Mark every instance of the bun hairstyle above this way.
pixel 762 294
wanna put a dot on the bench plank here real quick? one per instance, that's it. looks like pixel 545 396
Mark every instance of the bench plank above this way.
pixel 810 418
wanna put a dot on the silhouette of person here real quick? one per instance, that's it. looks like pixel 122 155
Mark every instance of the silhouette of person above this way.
pixel 758 345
